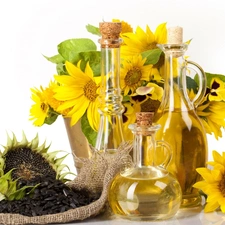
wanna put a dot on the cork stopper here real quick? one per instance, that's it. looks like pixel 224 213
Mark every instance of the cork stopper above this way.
pixel 144 118
pixel 110 32
pixel 175 35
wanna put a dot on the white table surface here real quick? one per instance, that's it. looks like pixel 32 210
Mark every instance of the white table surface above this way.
pixel 183 217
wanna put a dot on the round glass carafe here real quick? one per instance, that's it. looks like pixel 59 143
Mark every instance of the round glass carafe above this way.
pixel 145 191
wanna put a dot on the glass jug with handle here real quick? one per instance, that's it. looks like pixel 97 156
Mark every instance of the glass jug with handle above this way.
pixel 180 125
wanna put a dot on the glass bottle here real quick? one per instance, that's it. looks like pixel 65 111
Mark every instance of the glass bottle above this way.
pixel 181 127
pixel 110 133
pixel 145 191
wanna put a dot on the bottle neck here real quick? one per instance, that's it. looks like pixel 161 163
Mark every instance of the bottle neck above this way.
pixel 144 145
pixel 175 96
pixel 110 133
pixel 110 92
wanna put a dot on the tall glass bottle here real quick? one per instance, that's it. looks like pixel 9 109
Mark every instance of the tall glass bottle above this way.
pixel 181 127
pixel 110 133
pixel 146 191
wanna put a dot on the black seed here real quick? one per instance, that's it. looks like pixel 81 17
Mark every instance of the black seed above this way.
pixel 51 196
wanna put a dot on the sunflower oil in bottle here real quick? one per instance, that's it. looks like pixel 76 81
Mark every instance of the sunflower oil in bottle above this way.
pixel 145 191
pixel 110 132
pixel 180 125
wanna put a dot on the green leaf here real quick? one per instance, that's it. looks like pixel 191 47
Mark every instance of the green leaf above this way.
pixel 191 84
pixel 90 134
pixel 12 187
pixel 210 76
pixel 152 56
pixel 51 118
pixel 93 30
pixel 126 98
pixel 61 69
pixel 5 182
pixel 62 176
pixel 94 59
pixel 55 59
pixel 51 155
pixel 20 193
pixel 2 197
pixel 4 186
pixel 58 161
pixel 71 48
pixel 62 167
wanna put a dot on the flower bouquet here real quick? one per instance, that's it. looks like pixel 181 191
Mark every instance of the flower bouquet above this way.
pixel 73 92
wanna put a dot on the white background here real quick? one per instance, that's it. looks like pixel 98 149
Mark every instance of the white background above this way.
pixel 30 28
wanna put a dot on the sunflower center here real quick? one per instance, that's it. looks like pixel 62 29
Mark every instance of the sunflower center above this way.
pixel 133 76
pixel 44 107
pixel 25 171
pixel 51 100
pixel 221 185
pixel 90 90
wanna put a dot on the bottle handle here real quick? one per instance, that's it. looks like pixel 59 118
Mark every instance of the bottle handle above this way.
pixel 202 82
pixel 167 147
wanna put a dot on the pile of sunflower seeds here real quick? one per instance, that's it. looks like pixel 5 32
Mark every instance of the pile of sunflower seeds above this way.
pixel 50 196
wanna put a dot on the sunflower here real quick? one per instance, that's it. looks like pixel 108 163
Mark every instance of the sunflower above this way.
pixel 133 74
pixel 211 114
pixel 40 109
pixel 140 41
pixel 213 183
pixel 52 101
pixel 216 118
pixel 78 91
pixel 125 26
pixel 25 162
pixel 45 108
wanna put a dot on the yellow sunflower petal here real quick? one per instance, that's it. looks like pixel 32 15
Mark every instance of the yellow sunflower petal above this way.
pixel 206 174
pixel 161 34
pixel 217 157
pixel 216 195
pixel 222 204
pixel 68 104
pixel 79 112
pixel 200 185
pixel 40 109
pixel 150 34
pixel 93 115
pixel 73 70
pixel 216 174
pixel 88 71
pixel 211 206
pixel 67 93
pixel 71 81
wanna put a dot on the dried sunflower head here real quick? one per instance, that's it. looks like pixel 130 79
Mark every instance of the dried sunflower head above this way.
pixel 29 160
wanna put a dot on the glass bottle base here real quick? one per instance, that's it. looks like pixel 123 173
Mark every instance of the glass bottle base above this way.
pixel 191 201
pixel 146 193
pixel 159 217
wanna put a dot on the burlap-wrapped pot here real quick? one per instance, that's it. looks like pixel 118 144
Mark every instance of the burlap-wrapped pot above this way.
pixel 95 175
pixel 78 142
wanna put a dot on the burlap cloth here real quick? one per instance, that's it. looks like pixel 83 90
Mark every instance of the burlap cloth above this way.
pixel 95 175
